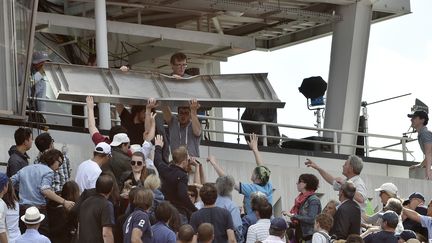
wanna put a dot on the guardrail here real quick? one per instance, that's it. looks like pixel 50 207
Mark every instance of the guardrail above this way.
pixel 335 145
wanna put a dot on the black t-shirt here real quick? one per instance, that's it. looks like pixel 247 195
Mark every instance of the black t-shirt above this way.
pixel 410 224
pixel 220 218
pixel 135 131
pixel 95 212
pixel 381 237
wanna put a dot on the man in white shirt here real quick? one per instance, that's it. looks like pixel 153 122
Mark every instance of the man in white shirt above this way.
pixel 89 170
pixel 351 170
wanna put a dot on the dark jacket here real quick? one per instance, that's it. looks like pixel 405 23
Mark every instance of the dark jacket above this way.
pixel 16 161
pixel 128 175
pixel 174 184
pixel 347 220
pixel 118 164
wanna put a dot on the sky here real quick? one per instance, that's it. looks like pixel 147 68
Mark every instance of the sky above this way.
pixel 399 61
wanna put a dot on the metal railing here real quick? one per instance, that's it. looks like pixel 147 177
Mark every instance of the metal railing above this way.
pixel 335 144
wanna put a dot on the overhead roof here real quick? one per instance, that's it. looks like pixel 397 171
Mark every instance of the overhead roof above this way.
pixel 147 32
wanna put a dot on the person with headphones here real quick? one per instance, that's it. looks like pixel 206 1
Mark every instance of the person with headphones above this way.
pixel 419 120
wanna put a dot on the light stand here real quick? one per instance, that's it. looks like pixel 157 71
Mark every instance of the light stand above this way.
pixel 317 105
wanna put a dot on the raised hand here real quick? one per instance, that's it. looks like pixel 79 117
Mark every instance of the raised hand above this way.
pixel 211 159
pixel 90 102
pixel 194 105
pixel 159 140
pixel 253 143
pixel 152 103
pixel 310 163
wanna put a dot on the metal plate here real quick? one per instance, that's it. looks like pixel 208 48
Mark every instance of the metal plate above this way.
pixel 73 82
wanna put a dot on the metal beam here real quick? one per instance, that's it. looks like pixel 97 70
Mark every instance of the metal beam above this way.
pixel 63 24
pixel 73 82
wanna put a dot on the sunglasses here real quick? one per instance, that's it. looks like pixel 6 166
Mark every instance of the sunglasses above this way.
pixel 139 163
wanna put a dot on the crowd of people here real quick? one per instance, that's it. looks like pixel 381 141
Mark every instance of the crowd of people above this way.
pixel 130 191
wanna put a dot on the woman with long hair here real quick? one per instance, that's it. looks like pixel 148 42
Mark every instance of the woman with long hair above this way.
pixel 137 176
pixel 12 213
pixel 306 207
pixel 62 225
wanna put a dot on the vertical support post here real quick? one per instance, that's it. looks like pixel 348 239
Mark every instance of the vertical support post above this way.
pixel 264 134
pixel 347 70
pixel 404 149
pixel 366 130
pixel 102 58
pixel 335 141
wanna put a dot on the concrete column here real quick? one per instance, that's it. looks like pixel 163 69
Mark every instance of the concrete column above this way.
pixel 102 57
pixel 214 68
pixel 347 69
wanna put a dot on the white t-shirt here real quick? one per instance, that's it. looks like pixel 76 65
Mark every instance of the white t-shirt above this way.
pixel 3 209
pixel 360 188
pixel 12 222
pixel 87 174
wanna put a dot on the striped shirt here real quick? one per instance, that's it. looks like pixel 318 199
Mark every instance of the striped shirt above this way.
pixel 258 231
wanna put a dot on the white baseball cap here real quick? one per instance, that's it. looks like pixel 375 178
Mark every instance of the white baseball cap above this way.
pixel 388 187
pixel 120 138
pixel 103 148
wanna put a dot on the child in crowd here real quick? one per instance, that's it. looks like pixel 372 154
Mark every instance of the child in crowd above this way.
pixel 323 225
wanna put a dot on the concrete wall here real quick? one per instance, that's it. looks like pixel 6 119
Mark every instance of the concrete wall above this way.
pixel 285 168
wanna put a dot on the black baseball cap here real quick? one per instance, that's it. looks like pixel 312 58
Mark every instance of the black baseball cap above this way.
pixel 420 114
pixel 417 195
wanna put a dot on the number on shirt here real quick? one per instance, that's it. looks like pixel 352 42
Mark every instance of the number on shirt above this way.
pixel 141 223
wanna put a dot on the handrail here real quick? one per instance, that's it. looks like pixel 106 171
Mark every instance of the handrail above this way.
pixel 335 144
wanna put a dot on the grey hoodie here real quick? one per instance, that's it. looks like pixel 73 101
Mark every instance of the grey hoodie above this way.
pixel 16 161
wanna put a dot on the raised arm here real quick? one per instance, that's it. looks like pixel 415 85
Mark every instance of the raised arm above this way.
pixel 197 174
pixel 150 123
pixel 212 160
pixel 90 116
pixel 166 112
pixel 161 166
pixel 150 127
pixel 253 145
pixel 196 125
pixel 327 177
pixel 411 214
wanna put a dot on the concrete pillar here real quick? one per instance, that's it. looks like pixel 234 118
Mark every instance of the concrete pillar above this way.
pixel 214 68
pixel 102 57
pixel 347 69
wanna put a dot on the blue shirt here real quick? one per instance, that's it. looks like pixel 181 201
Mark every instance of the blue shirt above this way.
pixel 162 233
pixel 32 180
pixel 33 236
pixel 228 204
pixel 248 189
pixel 137 220
pixel 426 222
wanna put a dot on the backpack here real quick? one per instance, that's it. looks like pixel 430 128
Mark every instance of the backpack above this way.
pixel 329 239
